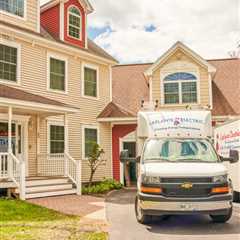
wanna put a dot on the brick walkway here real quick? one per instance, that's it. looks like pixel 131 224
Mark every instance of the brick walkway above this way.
pixel 72 204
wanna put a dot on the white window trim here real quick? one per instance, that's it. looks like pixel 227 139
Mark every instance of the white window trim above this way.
pixel 18 47
pixel 24 18
pixel 94 67
pixel 79 39
pixel 52 123
pixel 83 137
pixel 162 77
pixel 61 58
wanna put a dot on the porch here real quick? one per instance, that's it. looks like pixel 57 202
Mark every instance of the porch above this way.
pixel 27 168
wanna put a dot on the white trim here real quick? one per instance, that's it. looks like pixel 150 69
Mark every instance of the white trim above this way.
pixel 179 45
pixel 210 91
pixel 15 117
pixel 81 27
pixel 86 126
pixel 96 68
pixel 166 73
pixel 150 90
pixel 36 106
pixel 38 17
pixel 24 18
pixel 49 124
pixel 47 43
pixel 86 32
pixel 18 74
pixel 62 19
pixel 110 83
pixel 61 58
pixel 123 120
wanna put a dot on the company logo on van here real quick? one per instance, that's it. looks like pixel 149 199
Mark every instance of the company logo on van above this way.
pixel 187 185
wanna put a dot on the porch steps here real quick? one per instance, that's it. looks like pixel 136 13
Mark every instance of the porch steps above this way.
pixel 38 187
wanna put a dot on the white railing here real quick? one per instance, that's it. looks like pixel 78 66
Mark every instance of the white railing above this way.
pixel 51 164
pixel 73 171
pixel 4 165
pixel 11 168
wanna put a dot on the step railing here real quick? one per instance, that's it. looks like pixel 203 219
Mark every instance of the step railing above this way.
pixel 4 165
pixel 72 169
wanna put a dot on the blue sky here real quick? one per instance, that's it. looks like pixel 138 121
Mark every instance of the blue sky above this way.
pixel 140 31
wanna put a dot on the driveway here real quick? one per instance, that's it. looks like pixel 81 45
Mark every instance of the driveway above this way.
pixel 123 225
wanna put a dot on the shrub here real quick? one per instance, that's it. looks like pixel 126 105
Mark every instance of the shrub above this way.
pixel 103 187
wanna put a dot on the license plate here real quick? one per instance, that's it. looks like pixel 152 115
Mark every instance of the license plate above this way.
pixel 186 207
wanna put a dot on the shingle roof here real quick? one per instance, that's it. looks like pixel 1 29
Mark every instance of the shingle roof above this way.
pixel 92 47
pixel 17 94
pixel 130 87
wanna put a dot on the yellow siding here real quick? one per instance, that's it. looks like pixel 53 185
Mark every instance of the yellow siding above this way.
pixel 203 75
pixel 34 80
pixel 31 20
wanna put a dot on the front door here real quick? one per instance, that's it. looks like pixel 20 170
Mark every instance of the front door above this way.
pixel 131 147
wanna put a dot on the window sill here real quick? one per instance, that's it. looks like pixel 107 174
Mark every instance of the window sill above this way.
pixel 8 82
pixel 91 98
pixel 13 15
pixel 57 91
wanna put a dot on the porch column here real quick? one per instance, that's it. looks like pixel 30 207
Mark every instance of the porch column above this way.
pixel 10 163
pixel 66 145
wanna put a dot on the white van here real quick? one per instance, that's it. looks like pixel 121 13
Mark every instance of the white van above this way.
pixel 226 138
pixel 180 171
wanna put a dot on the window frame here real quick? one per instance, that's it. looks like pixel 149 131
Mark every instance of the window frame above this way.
pixel 96 68
pixel 181 103
pixel 61 58
pixel 96 127
pixel 49 124
pixel 18 71
pixel 80 16
pixel 24 17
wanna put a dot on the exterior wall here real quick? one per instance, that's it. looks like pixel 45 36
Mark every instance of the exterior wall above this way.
pixel 34 75
pixel 50 20
pixel 31 16
pixel 118 131
pixel 203 77
pixel 81 42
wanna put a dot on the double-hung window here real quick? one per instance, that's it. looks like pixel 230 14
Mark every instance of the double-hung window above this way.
pixel 90 82
pixel 8 63
pixel 180 88
pixel 57 78
pixel 74 22
pixel 15 7
pixel 56 135
pixel 90 137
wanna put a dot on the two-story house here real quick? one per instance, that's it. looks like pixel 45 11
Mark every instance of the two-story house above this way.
pixel 179 79
pixel 54 82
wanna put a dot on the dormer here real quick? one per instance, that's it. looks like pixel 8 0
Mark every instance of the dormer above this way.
pixel 66 20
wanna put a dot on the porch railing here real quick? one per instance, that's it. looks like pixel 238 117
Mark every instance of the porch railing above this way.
pixel 11 168
pixel 60 165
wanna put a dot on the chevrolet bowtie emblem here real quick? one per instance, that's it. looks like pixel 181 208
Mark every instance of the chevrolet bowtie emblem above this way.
pixel 187 185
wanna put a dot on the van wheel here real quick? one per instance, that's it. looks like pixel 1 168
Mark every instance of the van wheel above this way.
pixel 222 218
pixel 141 218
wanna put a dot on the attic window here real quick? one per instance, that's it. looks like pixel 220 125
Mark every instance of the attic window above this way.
pixel 74 22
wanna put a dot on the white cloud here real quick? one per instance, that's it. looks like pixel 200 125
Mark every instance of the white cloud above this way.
pixel 210 27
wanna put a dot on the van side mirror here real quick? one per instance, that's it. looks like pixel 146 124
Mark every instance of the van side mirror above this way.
pixel 124 156
pixel 233 157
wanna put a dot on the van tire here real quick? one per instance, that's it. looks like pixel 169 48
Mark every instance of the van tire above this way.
pixel 222 218
pixel 141 218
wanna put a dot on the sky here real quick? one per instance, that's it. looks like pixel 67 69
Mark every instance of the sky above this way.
pixel 135 31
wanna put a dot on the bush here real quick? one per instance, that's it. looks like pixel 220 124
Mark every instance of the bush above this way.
pixel 102 187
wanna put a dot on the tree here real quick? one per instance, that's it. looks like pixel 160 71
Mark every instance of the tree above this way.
pixel 95 159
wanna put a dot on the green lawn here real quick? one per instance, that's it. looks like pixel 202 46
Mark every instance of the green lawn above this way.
pixel 23 221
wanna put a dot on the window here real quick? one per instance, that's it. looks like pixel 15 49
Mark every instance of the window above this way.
pixel 74 23
pixel 8 63
pixel 90 136
pixel 90 82
pixel 57 74
pixel 15 7
pixel 56 139
pixel 180 88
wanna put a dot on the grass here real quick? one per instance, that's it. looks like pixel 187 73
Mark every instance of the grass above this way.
pixel 24 221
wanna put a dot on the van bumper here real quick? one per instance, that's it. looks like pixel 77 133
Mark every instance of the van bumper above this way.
pixel 158 205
